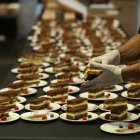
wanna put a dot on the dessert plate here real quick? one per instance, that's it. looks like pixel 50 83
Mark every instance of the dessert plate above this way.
pixel 130 107
pixel 53 107
pixel 93 116
pixel 21 99
pixel 39 116
pixel 128 85
pixel 114 128
pixel 49 70
pixel 137 106
pixel 12 117
pixel 44 64
pixel 91 107
pixel 18 107
pixel 15 70
pixel 112 96
pixel 124 94
pixel 42 76
pixel 72 89
pixel 130 117
pixel 40 84
pixel 115 89
pixel 62 102
pixel 31 91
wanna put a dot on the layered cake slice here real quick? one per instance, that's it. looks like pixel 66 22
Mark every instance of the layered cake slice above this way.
pixel 76 108
pixel 64 76
pixel 90 74
pixel 97 93
pixel 62 84
pixel 20 87
pixel 57 94
pixel 134 91
pixel 108 104
pixel 9 101
pixel 74 70
pixel 39 103
pixel 9 92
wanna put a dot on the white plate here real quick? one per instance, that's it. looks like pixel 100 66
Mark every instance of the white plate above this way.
pixel 124 94
pixel 73 88
pixel 130 117
pixel 20 107
pixel 21 99
pixel 53 107
pixel 49 70
pixel 31 91
pixel 40 84
pixel 59 102
pixel 130 107
pixel 112 127
pixel 91 107
pixel 12 117
pixel 112 96
pixel 117 88
pixel 43 76
pixel 25 116
pixel 15 70
pixel 93 117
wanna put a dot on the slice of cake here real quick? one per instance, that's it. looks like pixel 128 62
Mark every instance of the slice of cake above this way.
pixel 90 74
pixel 9 101
pixel 97 93
pixel 20 87
pixel 57 94
pixel 134 91
pixel 76 108
pixel 108 104
pixel 9 92
pixel 62 84
pixel 39 103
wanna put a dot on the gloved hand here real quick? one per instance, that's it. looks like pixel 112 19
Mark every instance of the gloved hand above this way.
pixel 112 58
pixel 111 75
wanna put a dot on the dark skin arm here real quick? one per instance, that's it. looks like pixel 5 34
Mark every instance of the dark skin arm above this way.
pixel 130 51
pixel 131 73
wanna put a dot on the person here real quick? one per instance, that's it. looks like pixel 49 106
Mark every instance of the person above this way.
pixel 112 73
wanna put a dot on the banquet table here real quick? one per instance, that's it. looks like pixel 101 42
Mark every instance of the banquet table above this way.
pixel 57 129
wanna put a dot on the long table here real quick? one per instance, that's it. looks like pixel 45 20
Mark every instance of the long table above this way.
pixel 57 129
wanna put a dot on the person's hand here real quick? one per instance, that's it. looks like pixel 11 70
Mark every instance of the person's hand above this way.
pixel 111 75
pixel 112 58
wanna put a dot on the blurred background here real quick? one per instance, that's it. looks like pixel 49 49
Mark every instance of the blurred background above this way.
pixel 18 16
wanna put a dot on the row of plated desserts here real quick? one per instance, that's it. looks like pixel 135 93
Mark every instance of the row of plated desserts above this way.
pixel 63 49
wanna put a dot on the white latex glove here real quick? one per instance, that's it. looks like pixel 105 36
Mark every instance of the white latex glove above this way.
pixel 111 75
pixel 112 58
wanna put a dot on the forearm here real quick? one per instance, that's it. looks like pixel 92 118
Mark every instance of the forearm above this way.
pixel 131 73
pixel 130 51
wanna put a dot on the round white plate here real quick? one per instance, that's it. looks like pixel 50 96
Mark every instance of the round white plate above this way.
pixel 59 102
pixel 72 89
pixel 112 96
pixel 93 117
pixel 31 91
pixel 130 117
pixel 53 107
pixel 26 116
pixel 124 94
pixel 49 70
pixel 19 107
pixel 12 117
pixel 40 84
pixel 130 107
pixel 15 70
pixel 112 127
pixel 91 107
pixel 43 76
pixel 21 99
pixel 117 88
